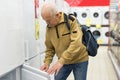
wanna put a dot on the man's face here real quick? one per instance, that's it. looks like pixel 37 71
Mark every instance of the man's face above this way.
pixel 50 20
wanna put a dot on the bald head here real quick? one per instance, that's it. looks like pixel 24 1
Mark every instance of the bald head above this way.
pixel 50 14
pixel 48 9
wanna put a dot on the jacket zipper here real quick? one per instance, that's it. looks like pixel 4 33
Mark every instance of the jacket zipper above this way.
pixel 57 28
pixel 57 31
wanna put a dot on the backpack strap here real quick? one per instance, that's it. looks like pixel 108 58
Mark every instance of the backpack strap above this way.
pixel 70 16
pixel 66 18
pixel 66 21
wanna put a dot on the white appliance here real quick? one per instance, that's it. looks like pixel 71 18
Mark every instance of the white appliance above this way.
pixel 95 15
pixel 105 15
pixel 30 73
pixel 25 72
pixel 11 32
pixel 84 16
pixel 17 30
pixel 102 35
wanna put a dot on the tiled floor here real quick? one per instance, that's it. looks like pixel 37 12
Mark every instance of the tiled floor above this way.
pixel 100 67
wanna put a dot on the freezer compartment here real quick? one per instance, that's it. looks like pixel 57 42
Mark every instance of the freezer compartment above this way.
pixel 30 73
pixel 12 75
pixel 9 76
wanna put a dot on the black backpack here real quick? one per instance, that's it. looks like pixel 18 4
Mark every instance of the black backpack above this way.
pixel 88 39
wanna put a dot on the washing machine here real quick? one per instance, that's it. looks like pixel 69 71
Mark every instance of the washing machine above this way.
pixel 84 16
pixel 74 10
pixel 105 15
pixel 95 15
pixel 101 35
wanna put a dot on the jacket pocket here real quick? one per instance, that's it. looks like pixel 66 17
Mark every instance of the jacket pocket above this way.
pixel 65 34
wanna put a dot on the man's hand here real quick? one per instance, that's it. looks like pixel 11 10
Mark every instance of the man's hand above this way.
pixel 44 67
pixel 55 68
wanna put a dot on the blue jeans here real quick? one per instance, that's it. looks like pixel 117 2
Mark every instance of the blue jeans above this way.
pixel 79 71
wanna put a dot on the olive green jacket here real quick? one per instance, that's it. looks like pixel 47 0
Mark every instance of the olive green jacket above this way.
pixel 66 44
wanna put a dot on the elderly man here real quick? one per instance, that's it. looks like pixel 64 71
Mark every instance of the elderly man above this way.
pixel 66 44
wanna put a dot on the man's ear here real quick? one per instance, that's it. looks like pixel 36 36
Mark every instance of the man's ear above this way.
pixel 57 14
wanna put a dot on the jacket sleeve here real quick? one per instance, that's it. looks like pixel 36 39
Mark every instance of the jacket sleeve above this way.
pixel 50 52
pixel 75 45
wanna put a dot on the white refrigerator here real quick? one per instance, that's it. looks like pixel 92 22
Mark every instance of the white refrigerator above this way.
pixel 18 43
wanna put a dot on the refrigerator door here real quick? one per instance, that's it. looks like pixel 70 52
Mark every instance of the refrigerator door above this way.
pixel 31 43
pixel 30 73
pixel 11 35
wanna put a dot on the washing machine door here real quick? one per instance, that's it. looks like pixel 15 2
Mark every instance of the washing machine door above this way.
pixel 96 34
pixel 30 73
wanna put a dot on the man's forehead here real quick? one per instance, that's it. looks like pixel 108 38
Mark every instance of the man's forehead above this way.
pixel 46 11
pixel 47 16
